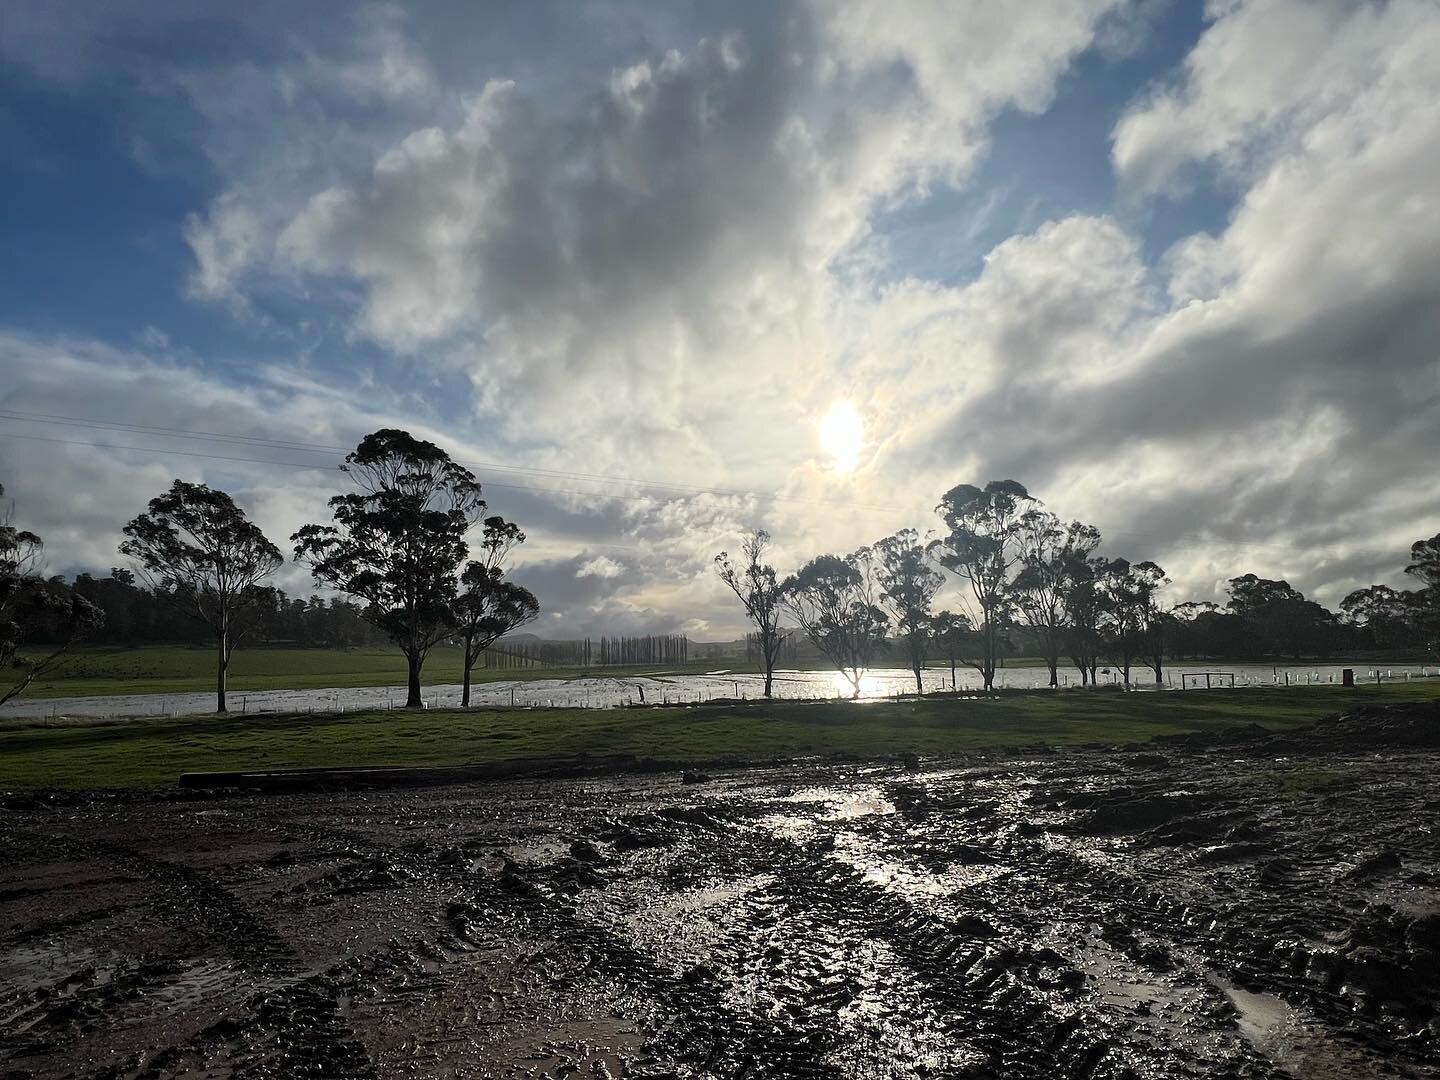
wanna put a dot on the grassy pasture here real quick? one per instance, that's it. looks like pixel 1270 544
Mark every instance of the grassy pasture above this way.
pixel 153 752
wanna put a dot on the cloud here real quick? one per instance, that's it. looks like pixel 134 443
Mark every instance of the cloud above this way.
pixel 1270 78
pixel 692 222
pixel 670 264
pixel 601 566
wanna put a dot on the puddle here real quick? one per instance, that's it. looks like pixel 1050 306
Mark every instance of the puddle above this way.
pixel 843 805
pixel 1283 1035
pixel 915 882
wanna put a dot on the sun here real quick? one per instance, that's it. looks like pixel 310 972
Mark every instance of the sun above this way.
pixel 842 434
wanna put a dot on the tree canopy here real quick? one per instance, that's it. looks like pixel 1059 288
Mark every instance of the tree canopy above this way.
pixel 195 544
pixel 398 540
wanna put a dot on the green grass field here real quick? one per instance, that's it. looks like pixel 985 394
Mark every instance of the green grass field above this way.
pixel 150 753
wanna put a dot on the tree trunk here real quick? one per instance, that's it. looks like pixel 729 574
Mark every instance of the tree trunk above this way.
pixel 1053 662
pixel 1159 672
pixel 222 661
pixel 919 685
pixel 465 684
pixel 412 700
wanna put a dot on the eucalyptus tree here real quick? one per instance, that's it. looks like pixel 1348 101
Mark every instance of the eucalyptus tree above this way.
pixel 1384 614
pixel 1084 612
pixel 195 546
pixel 950 630
pixel 983 549
pixel 487 606
pixel 398 541
pixel 1127 600
pixel 908 583
pixel 835 600
pixel 1155 626
pixel 1425 561
pixel 1425 602
pixel 1048 553
pixel 33 607
pixel 756 585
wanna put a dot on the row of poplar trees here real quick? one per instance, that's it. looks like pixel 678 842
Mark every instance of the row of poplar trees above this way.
pixel 1016 562
pixel 399 542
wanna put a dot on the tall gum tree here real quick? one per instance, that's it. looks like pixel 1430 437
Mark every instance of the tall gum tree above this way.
pixel 398 541
pixel 836 602
pixel 1048 552
pixel 982 549
pixel 1084 612
pixel 196 546
pixel 908 584
pixel 756 585
pixel 487 607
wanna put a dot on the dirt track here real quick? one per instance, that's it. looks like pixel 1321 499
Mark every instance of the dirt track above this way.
pixel 1252 908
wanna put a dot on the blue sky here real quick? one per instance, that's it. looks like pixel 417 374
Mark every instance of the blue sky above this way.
pixel 103 175
pixel 663 241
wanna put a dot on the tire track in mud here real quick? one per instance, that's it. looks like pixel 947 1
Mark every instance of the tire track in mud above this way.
pixel 1017 1005
pixel 1022 1004
pixel 1280 920
pixel 698 1027
pixel 1248 936
pixel 310 1038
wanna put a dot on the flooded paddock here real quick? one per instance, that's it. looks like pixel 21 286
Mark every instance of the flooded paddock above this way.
pixel 660 687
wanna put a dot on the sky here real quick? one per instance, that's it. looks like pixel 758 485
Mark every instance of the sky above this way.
pixel 662 273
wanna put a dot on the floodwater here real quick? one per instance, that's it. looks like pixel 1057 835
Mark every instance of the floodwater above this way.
pixel 660 687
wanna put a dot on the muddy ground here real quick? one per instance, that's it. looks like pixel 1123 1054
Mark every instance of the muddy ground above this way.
pixel 1251 907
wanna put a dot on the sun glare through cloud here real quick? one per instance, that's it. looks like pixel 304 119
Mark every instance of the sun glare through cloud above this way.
pixel 842 434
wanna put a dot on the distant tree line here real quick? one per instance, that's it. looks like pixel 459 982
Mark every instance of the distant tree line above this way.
pixel 644 649
pixel 139 614
pixel 1032 584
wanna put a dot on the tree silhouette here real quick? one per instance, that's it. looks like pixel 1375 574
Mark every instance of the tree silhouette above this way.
pixel 197 545
pixel 951 630
pixel 489 607
pixel 982 549
pixel 754 582
pixel 1084 611
pixel 908 583
pixel 835 602
pixel 32 607
pixel 1049 552
pixel 398 541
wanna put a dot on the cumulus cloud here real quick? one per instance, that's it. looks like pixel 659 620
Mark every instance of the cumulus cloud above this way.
pixel 617 265
pixel 672 268
pixel 1270 78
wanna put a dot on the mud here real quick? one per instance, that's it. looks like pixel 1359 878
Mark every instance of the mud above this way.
pixel 1254 906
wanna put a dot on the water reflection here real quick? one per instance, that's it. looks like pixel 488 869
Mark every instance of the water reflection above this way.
pixel 657 688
